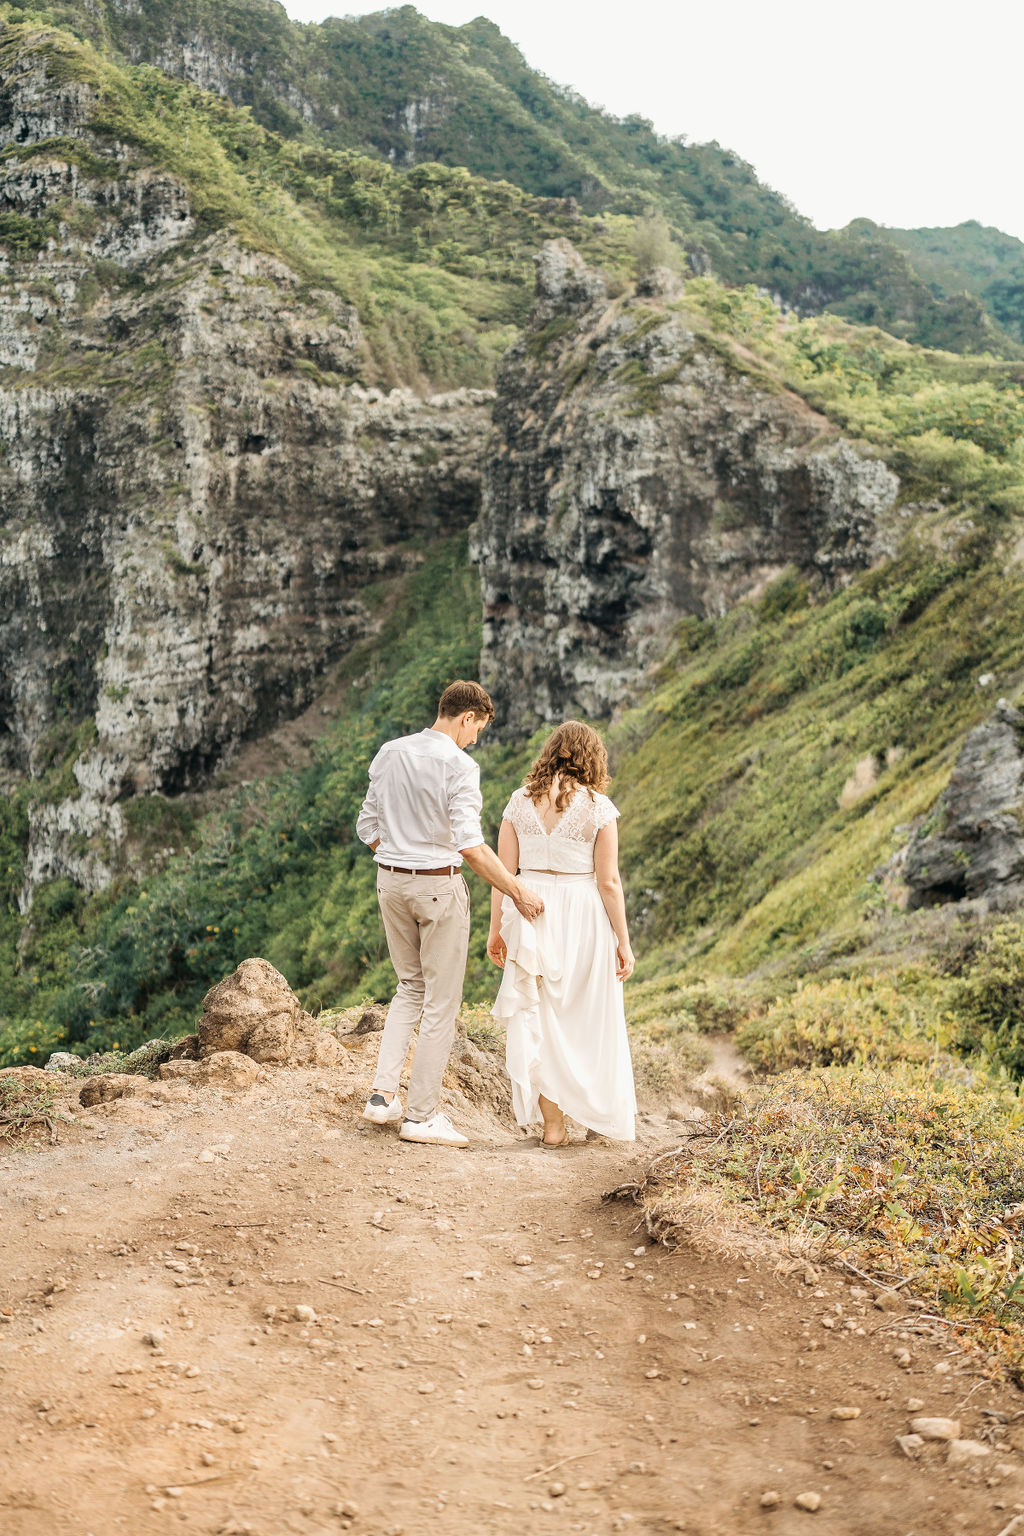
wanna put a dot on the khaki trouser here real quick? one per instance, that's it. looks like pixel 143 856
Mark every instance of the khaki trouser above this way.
pixel 426 919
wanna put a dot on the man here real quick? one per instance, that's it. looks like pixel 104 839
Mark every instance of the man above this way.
pixel 421 817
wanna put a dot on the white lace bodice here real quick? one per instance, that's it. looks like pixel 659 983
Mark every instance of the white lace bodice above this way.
pixel 569 847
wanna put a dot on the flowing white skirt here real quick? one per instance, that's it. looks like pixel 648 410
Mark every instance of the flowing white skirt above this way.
pixel 561 1006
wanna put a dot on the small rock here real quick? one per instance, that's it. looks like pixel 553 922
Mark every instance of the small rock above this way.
pixel 903 1359
pixel 62 1061
pixel 770 1498
pixel 962 1453
pixel 154 1338
pixel 206 1459
pixel 106 1086
pixel 915 1404
pixel 426 1387
pixel 192 1372
pixel 305 1314
pixel 555 1490
pixel 936 1429
pixel 811 1501
pixel 206 1156
pixel 845 1413
pixel 346 1509
pixel 534 1383
pixel 889 1301
pixel 828 1322
pixel 522 1259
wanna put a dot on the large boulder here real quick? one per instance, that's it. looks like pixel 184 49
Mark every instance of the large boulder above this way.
pixel 255 1011
pixel 972 845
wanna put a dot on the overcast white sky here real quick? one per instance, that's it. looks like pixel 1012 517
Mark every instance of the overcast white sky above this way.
pixel 903 111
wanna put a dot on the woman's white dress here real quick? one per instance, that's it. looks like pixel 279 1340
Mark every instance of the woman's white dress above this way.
pixel 559 999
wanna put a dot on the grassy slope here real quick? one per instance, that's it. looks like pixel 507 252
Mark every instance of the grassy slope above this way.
pixel 486 110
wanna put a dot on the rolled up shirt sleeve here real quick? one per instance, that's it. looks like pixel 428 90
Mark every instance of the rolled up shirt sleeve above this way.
pixel 367 823
pixel 465 807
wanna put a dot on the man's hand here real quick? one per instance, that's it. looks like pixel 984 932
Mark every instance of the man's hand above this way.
pixel 528 904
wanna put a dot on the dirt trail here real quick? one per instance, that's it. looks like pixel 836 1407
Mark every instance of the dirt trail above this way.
pixel 446 1384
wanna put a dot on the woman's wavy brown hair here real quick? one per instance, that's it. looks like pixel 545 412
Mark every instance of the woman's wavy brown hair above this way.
pixel 576 755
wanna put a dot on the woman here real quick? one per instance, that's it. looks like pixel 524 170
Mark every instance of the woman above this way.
pixel 561 993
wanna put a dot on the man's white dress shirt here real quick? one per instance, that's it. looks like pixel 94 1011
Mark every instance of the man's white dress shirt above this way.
pixel 423 803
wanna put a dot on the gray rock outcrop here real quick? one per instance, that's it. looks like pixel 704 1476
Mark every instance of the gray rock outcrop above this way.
pixel 638 475
pixel 972 845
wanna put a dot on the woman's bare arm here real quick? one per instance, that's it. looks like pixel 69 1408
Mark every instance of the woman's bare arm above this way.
pixel 508 853
pixel 606 869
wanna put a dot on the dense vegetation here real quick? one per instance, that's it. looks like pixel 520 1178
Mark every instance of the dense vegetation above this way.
pixel 974 259
pixel 408 91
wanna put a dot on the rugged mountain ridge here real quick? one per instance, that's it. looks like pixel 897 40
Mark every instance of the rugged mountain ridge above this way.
pixel 412 91
pixel 637 478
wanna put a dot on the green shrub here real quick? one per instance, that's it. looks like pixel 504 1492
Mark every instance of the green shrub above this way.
pixel 988 1000
pixel 833 1023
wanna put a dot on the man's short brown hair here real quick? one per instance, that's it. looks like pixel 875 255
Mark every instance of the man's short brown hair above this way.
pixel 461 698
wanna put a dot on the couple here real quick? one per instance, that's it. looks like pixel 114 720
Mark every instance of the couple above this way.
pixel 559 933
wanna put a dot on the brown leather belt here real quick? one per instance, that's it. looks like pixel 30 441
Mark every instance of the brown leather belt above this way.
pixel 449 869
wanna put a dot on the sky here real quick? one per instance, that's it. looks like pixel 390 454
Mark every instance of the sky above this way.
pixel 902 111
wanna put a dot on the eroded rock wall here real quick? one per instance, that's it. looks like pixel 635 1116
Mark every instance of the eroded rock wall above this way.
pixel 638 475
pixel 195 487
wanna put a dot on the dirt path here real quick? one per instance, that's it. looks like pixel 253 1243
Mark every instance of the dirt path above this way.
pixel 490 1350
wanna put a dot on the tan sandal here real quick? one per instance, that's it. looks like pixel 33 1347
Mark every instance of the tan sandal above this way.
pixel 554 1146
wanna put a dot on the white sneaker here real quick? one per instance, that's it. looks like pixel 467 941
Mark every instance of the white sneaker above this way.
pixel 436 1132
pixel 380 1111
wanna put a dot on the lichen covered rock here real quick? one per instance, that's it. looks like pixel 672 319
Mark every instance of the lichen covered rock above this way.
pixel 971 847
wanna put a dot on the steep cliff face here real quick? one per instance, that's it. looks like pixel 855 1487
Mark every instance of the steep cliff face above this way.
pixel 637 476
pixel 195 489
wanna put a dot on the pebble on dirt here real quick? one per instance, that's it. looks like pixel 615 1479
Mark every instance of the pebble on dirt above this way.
pixel 809 1501
pixel 770 1498
pixel 936 1429
pixel 305 1314
pixel 963 1452
pixel 845 1413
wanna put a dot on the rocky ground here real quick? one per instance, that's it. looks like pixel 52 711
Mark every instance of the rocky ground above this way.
pixel 231 1306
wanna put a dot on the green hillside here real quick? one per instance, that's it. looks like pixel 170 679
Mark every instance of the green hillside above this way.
pixel 409 91
pixel 974 258
pixel 738 859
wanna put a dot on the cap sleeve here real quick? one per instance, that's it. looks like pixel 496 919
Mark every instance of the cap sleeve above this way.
pixel 513 812
pixel 604 811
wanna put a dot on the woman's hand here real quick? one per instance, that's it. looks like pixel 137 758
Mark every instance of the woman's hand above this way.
pixel 496 948
pixel 624 961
